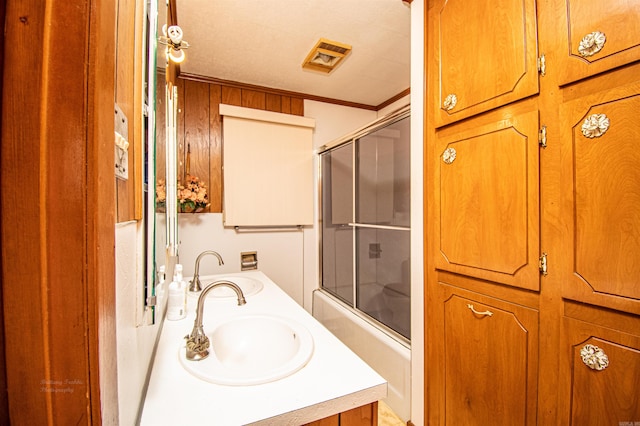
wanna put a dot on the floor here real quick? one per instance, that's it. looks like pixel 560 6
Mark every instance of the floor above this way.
pixel 386 417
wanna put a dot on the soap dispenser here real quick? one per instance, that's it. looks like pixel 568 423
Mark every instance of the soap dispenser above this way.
pixel 177 304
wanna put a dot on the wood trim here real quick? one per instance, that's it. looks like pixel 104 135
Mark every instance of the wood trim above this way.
pixel 4 395
pixel 101 218
pixel 286 93
pixel 59 142
pixel 391 100
pixel 125 82
pixel 293 95
pixel 137 166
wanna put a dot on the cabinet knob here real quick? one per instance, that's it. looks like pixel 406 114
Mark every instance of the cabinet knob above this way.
pixel 449 155
pixel 592 43
pixel 595 126
pixel 450 102
pixel 594 357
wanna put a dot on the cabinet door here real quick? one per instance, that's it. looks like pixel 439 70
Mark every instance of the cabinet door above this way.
pixel 490 362
pixel 487 200
pixel 486 54
pixel 327 421
pixel 601 177
pixel 596 36
pixel 604 388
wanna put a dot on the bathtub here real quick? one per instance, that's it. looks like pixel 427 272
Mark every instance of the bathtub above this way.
pixel 386 355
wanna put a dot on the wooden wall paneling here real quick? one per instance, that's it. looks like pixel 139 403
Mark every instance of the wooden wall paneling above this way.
pixel 285 102
pixel 215 149
pixel 273 102
pixel 125 54
pixel 196 122
pixel 297 106
pixel 231 96
pixel 253 99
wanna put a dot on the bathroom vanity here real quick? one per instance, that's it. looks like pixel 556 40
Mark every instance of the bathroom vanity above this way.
pixel 330 386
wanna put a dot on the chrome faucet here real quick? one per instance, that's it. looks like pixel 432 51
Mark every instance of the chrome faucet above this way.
pixel 197 341
pixel 195 285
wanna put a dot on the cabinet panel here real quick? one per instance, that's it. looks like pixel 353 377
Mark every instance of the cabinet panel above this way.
pixel 597 37
pixel 472 40
pixel 590 396
pixel 487 200
pixel 490 360
pixel 603 188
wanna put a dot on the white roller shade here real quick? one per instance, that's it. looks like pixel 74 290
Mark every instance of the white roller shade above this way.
pixel 268 168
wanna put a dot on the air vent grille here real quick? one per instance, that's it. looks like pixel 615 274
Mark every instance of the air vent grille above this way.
pixel 326 55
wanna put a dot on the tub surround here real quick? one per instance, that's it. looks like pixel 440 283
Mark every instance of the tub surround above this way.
pixel 333 381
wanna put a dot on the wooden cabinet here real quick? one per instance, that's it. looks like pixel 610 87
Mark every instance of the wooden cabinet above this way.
pixel 367 415
pixel 532 199
pixel 603 384
pixel 601 176
pixel 489 356
pixel 485 55
pixel 486 193
pixel 595 36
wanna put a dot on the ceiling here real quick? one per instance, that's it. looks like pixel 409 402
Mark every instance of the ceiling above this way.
pixel 264 42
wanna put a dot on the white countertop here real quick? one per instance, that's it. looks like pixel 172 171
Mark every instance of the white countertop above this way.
pixel 334 380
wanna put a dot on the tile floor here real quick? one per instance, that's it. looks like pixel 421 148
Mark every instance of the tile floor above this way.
pixel 386 417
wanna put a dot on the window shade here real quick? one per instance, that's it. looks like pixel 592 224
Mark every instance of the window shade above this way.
pixel 268 168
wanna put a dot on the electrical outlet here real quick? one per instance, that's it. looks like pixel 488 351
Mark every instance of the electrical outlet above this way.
pixel 374 251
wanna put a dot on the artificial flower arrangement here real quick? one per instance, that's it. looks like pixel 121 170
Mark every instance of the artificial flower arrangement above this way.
pixel 192 197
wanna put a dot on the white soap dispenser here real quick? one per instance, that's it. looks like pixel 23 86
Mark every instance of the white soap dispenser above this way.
pixel 177 304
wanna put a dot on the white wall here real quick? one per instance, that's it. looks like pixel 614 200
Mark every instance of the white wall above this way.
pixel 135 343
pixel 280 254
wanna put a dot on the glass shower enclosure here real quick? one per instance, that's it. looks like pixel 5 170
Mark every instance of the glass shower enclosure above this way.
pixel 365 208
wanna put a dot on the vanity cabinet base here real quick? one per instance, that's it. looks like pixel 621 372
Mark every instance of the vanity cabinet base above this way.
pixel 367 415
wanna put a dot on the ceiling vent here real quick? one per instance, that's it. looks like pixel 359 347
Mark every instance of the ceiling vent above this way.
pixel 326 55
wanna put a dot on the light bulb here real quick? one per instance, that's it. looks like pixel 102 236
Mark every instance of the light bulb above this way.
pixel 176 55
pixel 174 32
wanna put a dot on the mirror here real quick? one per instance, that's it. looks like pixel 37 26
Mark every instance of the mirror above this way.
pixel 149 178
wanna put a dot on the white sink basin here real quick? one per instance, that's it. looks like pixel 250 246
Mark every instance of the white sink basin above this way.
pixel 249 286
pixel 252 349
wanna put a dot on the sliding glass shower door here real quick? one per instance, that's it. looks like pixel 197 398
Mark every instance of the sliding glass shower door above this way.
pixel 366 224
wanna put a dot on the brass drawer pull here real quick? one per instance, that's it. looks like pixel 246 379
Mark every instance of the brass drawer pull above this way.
pixel 592 43
pixel 594 357
pixel 487 313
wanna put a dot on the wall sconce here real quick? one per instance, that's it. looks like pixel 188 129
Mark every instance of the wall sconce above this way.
pixel 172 38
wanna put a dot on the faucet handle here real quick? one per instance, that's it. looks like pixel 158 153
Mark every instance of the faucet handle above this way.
pixel 197 345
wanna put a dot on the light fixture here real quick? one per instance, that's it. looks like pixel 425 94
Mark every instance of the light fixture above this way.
pixel 326 55
pixel 172 38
